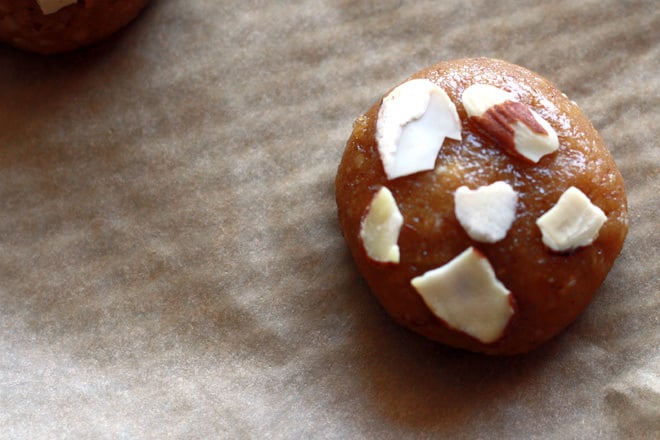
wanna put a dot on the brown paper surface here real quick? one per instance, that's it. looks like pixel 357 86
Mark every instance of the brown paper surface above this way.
pixel 170 260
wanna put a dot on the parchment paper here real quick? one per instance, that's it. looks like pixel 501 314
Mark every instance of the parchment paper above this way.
pixel 170 260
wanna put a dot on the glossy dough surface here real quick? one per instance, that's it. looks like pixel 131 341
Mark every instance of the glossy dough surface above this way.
pixel 24 25
pixel 550 289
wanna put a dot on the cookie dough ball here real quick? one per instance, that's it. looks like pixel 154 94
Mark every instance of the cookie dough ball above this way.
pixel 53 26
pixel 480 205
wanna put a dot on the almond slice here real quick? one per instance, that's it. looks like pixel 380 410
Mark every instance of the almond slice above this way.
pixel 572 223
pixel 466 295
pixel 513 126
pixel 486 213
pixel 52 6
pixel 413 122
pixel 380 228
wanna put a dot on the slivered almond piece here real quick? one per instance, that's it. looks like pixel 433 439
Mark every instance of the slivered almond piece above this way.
pixel 572 223
pixel 52 6
pixel 413 122
pixel 513 126
pixel 487 212
pixel 380 228
pixel 466 295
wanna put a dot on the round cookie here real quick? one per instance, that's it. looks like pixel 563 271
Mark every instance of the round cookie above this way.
pixel 53 26
pixel 514 256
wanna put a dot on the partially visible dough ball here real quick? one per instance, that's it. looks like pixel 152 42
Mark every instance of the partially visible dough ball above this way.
pixel 449 268
pixel 41 27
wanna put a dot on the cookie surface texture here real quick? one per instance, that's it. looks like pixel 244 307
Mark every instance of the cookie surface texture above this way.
pixel 522 145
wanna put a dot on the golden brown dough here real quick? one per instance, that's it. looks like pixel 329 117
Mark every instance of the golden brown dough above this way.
pixel 25 25
pixel 549 288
